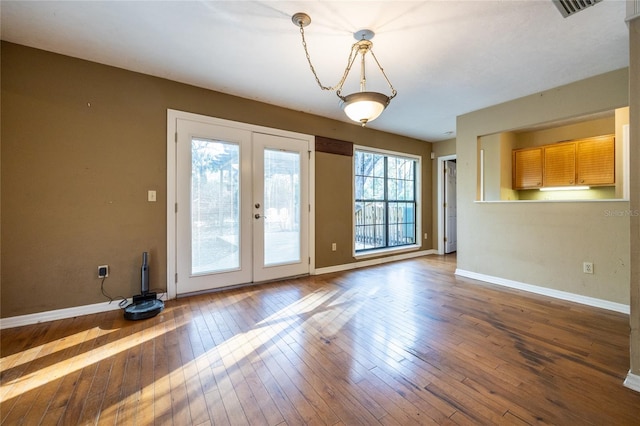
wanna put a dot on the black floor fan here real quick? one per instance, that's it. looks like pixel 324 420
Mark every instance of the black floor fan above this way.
pixel 145 304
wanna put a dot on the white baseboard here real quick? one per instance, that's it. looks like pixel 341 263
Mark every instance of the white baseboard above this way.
pixel 571 297
pixel 75 311
pixel 632 381
pixel 39 317
pixel 58 314
pixel 371 262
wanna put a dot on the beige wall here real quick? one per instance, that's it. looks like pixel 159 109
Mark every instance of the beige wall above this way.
pixel 544 243
pixel 498 157
pixel 444 148
pixel 334 206
pixel 497 182
pixel 81 145
pixel 621 119
pixel 583 129
pixel 598 127
pixel 507 144
pixel 491 146
pixel 634 148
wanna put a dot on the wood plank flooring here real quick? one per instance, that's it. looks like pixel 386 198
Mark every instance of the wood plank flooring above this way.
pixel 396 344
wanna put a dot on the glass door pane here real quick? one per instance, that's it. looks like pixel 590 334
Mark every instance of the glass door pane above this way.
pixel 242 206
pixel 215 206
pixel 281 207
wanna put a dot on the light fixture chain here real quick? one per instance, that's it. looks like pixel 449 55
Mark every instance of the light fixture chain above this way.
pixel 393 91
pixel 350 61
pixel 362 106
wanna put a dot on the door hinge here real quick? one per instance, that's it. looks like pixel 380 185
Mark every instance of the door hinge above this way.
pixel 176 137
pixel 445 239
pixel 176 209
pixel 309 260
pixel 176 278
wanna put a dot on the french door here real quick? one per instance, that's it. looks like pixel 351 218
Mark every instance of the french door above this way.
pixel 242 206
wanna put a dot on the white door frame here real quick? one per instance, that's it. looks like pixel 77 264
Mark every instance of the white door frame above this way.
pixel 172 118
pixel 440 210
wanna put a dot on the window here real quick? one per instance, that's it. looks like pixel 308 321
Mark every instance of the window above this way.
pixel 385 208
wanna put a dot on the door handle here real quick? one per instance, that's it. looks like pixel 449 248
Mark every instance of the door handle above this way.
pixel 257 216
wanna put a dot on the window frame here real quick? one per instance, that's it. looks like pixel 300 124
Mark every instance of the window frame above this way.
pixel 359 254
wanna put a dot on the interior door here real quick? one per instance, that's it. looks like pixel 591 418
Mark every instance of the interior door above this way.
pixel 242 206
pixel 450 208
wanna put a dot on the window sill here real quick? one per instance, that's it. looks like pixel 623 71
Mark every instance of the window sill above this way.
pixel 386 251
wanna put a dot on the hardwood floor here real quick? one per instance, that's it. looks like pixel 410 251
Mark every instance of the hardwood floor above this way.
pixel 396 344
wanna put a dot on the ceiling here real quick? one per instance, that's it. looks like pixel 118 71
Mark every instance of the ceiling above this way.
pixel 445 58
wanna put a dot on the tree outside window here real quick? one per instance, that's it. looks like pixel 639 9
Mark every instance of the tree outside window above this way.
pixel 385 200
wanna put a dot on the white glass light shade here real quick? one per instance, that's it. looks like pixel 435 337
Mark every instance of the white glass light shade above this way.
pixel 363 107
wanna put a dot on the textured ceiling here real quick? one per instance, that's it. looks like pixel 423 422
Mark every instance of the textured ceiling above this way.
pixel 445 58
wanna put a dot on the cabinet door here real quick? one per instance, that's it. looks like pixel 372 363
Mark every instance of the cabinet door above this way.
pixel 527 168
pixel 596 161
pixel 560 164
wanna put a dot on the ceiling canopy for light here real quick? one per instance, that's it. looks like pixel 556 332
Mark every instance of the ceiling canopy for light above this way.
pixel 362 106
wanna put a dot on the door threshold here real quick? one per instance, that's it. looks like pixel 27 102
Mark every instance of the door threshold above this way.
pixel 236 286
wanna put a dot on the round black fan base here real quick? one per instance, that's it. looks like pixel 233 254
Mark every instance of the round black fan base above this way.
pixel 143 309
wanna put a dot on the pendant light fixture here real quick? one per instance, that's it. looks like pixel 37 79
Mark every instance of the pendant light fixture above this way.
pixel 363 106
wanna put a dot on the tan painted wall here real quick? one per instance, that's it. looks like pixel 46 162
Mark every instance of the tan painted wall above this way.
pixel 492 147
pixel 507 143
pixel 544 243
pixel 634 148
pixel 621 119
pixel 444 148
pixel 334 207
pixel 81 145
pixel 584 129
pixel 497 183
pixel 498 158
pixel 589 128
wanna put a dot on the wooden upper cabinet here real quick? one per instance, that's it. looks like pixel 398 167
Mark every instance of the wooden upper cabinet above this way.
pixel 527 168
pixel 589 161
pixel 560 164
pixel 595 161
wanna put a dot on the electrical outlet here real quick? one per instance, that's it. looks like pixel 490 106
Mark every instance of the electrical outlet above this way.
pixel 587 267
pixel 103 271
pixel 334 247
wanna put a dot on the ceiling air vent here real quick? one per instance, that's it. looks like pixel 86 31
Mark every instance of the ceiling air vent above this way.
pixel 571 7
